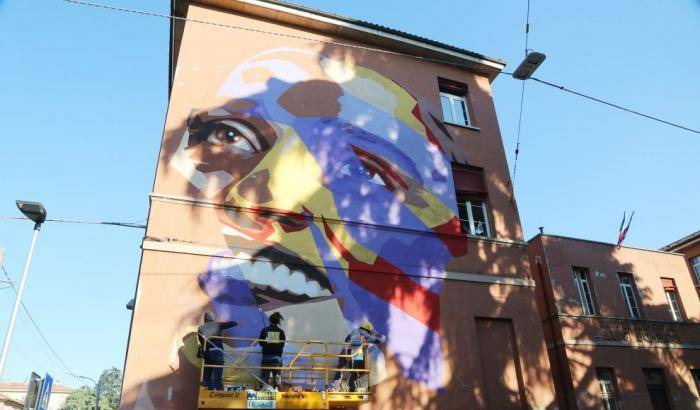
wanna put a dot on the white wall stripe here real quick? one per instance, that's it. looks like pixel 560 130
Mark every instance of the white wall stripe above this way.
pixel 194 249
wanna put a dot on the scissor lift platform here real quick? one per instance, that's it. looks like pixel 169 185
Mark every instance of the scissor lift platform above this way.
pixel 214 399
pixel 304 381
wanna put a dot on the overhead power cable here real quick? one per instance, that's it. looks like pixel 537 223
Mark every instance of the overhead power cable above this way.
pixel 619 107
pixel 36 326
pixel 522 95
pixel 256 30
pixel 74 221
pixel 337 43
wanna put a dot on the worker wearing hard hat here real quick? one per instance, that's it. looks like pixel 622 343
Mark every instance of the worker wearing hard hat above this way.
pixel 358 337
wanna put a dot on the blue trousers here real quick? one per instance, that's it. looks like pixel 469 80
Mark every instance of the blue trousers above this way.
pixel 212 375
pixel 352 382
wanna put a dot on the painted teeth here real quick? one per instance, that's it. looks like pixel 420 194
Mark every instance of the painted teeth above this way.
pixel 261 273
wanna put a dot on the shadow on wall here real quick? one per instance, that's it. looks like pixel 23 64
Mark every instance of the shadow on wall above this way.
pixel 628 363
pixel 315 178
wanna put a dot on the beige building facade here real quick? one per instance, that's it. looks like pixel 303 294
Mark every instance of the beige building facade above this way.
pixel 13 395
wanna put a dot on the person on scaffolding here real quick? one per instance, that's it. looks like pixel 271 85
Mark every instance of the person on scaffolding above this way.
pixel 211 349
pixel 357 338
pixel 272 340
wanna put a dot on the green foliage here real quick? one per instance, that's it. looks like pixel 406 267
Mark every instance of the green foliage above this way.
pixel 110 388
pixel 84 398
pixel 81 399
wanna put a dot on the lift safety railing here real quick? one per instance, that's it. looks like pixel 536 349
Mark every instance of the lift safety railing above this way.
pixel 307 365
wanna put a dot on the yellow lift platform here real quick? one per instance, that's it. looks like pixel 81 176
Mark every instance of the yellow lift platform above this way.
pixel 306 376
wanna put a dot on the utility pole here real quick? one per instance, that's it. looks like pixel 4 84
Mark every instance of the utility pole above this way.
pixel 98 391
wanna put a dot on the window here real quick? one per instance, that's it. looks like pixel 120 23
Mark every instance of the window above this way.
pixel 656 386
pixel 695 263
pixel 585 293
pixel 629 293
pixel 608 387
pixel 473 215
pixel 453 99
pixel 674 305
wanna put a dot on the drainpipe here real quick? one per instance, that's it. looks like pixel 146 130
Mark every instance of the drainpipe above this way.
pixel 552 329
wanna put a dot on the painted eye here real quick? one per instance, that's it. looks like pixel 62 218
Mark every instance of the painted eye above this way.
pixel 233 136
pixel 359 171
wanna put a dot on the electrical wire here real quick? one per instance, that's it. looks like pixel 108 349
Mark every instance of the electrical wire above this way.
pixel 20 351
pixel 75 221
pixel 69 371
pixel 522 97
pixel 337 43
pixel 517 141
pixel 255 30
pixel 527 27
pixel 619 107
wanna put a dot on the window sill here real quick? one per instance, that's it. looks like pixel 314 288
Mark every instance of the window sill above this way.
pixel 469 127
pixel 597 316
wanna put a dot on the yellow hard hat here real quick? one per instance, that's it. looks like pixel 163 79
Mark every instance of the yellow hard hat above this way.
pixel 367 325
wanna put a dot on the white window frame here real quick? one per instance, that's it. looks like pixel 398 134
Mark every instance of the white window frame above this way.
pixel 585 291
pixel 695 264
pixel 673 306
pixel 629 297
pixel 470 215
pixel 453 98
pixel 608 395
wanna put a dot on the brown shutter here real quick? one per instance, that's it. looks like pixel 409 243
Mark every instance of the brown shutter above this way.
pixel 668 284
pixel 469 180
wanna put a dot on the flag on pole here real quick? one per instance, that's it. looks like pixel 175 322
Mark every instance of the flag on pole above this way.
pixel 622 227
pixel 623 232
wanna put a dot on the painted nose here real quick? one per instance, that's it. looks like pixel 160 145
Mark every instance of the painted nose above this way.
pixel 255 189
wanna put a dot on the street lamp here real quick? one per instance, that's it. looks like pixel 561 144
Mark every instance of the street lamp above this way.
pixel 37 213
pixel 532 60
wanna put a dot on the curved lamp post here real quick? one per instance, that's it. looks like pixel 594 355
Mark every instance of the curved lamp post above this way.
pixel 37 213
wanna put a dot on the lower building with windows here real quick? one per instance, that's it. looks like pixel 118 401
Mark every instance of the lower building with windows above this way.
pixel 621 324
pixel 689 246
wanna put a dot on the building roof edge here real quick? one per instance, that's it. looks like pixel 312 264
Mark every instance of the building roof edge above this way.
pixel 686 240
pixel 602 243
pixel 359 30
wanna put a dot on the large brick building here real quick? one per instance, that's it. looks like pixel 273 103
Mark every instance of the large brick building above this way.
pixel 336 171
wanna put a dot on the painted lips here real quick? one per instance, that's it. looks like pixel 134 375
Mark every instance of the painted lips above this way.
pixel 278 278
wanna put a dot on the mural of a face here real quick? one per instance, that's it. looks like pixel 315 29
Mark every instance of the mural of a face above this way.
pixel 339 203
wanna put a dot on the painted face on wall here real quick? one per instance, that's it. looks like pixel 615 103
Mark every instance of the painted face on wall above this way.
pixel 339 202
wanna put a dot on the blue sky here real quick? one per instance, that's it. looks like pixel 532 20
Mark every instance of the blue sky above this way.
pixel 83 96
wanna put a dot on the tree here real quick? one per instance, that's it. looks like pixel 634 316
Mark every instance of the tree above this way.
pixel 110 388
pixel 81 399
pixel 84 398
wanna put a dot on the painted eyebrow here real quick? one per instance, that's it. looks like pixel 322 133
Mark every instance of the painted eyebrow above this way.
pixel 402 162
pixel 388 167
